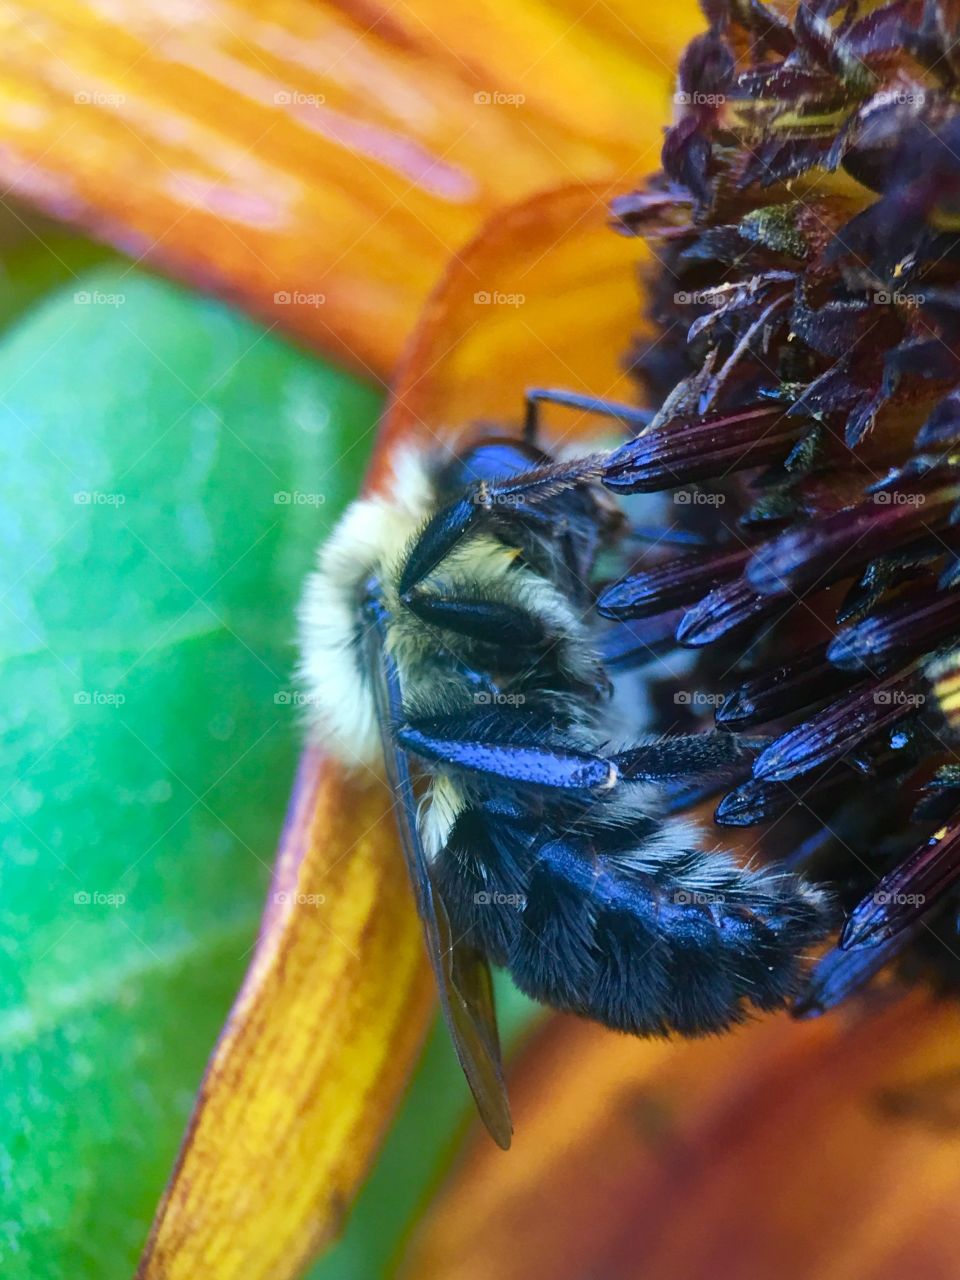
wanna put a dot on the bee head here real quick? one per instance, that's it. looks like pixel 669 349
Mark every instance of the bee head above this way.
pixel 489 459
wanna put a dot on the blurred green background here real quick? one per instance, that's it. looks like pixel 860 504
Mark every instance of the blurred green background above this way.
pixel 168 468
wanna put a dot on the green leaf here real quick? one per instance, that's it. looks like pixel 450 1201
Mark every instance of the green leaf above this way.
pixel 167 469
pixel 37 256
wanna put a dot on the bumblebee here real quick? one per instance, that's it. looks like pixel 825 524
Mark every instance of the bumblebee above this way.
pixel 450 643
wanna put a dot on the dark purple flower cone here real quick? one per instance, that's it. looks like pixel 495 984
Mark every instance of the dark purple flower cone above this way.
pixel 805 361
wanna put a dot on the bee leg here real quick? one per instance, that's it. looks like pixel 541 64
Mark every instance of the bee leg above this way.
pixel 443 531
pixel 490 621
pixel 517 494
pixel 473 744
pixel 628 414
pixel 679 755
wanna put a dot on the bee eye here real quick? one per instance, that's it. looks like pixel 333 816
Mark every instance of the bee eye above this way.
pixel 487 461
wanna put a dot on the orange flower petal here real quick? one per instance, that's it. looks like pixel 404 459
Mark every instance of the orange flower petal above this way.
pixel 545 295
pixel 786 1149
pixel 331 1014
pixel 319 162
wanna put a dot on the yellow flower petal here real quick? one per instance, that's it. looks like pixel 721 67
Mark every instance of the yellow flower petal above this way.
pixel 823 1149
pixel 330 1017
pixel 319 162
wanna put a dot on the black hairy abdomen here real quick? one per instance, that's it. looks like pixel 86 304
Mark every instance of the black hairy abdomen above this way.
pixel 676 943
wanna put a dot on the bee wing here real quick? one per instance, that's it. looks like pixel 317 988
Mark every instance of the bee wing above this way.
pixel 462 973
pixel 466 999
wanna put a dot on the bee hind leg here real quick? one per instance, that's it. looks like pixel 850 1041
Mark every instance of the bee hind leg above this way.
pixel 501 744
pixel 684 754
